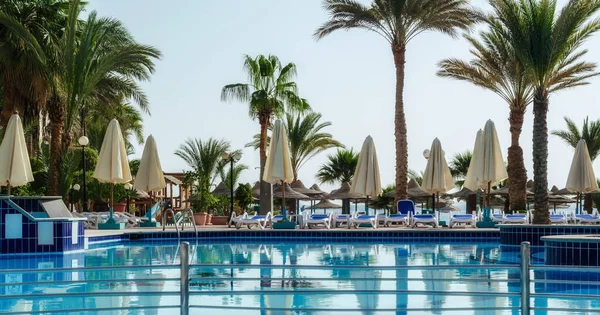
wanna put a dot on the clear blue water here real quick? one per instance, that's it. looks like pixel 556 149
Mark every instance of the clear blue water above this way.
pixel 213 286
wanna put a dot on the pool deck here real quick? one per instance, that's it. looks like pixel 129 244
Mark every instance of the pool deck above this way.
pixel 216 228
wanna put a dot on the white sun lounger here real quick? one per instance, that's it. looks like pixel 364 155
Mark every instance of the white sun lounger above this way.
pixel 518 218
pixel 236 218
pixel 498 217
pixel 587 218
pixel 339 219
pixel 398 218
pixel 357 220
pixel 466 219
pixel 312 220
pixel 560 218
pixel 259 220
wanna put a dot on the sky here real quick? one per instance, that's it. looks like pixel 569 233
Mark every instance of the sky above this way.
pixel 348 77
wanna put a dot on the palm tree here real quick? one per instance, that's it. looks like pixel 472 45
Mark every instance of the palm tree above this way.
pixel 496 68
pixel 340 167
pixel 383 201
pixel 270 93
pixel 97 63
pixel 530 27
pixel 305 137
pixel 204 157
pixel 590 132
pixel 225 173
pixel 29 31
pixel 398 21
pixel 459 166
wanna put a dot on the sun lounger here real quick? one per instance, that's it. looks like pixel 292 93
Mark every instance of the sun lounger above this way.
pixel 560 218
pixel 149 220
pixel 465 219
pixel 259 220
pixel 498 218
pixel 339 219
pixel 312 220
pixel 399 219
pixel 518 218
pixel 587 218
pixel 358 219
pixel 236 218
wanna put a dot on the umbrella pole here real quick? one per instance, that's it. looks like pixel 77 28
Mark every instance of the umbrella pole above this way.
pixel 111 218
pixel 283 201
pixel 8 187
pixel 367 205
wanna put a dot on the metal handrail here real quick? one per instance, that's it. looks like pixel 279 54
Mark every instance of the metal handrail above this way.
pixel 185 279
pixel 164 220
pixel 411 267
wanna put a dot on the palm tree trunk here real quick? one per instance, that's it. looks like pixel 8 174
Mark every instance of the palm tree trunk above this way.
pixel 266 191
pixel 517 174
pixel 540 156
pixel 8 104
pixel 57 115
pixel 400 132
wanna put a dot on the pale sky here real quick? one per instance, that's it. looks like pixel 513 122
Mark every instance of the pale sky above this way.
pixel 348 77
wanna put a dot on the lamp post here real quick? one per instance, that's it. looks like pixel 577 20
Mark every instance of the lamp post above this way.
pixel 231 158
pixel 74 188
pixel 83 142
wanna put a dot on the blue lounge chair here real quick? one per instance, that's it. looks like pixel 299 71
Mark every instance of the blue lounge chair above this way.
pixel 466 219
pixel 149 220
pixel 405 210
pixel 587 218
pixel 259 220
pixel 407 206
pixel 358 218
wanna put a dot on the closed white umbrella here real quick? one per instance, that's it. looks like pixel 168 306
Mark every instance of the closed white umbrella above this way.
pixel 150 176
pixel 112 166
pixel 437 177
pixel 366 180
pixel 278 167
pixel 487 165
pixel 15 168
pixel 581 175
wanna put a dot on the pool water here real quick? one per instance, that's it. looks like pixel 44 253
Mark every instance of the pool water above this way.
pixel 362 288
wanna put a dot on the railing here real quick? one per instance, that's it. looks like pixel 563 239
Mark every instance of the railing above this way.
pixel 523 296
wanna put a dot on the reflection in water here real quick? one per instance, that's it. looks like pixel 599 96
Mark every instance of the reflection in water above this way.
pixel 337 281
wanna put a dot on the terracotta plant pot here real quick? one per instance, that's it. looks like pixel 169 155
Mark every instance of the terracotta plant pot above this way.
pixel 200 218
pixel 119 207
pixel 219 220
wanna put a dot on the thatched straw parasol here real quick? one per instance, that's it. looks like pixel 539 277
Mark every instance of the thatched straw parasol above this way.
pixel 315 187
pixel 344 193
pixel 463 193
pixel 554 189
pixel 221 190
pixel 326 204
pixel 289 192
pixel 298 186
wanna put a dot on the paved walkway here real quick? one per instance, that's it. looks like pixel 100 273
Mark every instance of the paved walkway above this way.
pixel 211 228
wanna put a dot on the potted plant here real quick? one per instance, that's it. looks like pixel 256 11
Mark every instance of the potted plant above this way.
pixel 120 194
pixel 220 211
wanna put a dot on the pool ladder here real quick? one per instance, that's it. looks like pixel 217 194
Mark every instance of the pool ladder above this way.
pixel 186 215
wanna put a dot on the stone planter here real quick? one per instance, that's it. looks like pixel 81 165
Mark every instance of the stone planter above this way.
pixel 200 218
pixel 219 220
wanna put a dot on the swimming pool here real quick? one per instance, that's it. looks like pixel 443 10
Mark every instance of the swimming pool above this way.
pixel 279 277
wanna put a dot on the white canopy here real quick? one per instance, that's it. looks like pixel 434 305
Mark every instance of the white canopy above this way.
pixel 437 177
pixel 15 168
pixel 150 176
pixel 487 165
pixel 366 180
pixel 113 166
pixel 278 167
pixel 581 175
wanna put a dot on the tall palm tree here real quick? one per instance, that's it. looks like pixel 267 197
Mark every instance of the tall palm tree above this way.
pixel 496 68
pixel 339 168
pixel 270 93
pixel 305 138
pixel 459 166
pixel 204 157
pixel 29 31
pixel 547 45
pixel 590 132
pixel 97 63
pixel 398 21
